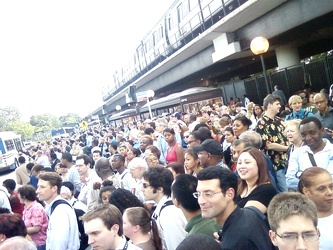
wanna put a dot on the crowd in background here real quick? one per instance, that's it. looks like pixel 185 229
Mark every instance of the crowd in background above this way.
pixel 177 176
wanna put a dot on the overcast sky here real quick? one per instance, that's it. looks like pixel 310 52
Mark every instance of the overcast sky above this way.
pixel 56 56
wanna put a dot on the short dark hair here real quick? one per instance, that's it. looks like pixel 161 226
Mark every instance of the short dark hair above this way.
pixel 182 189
pixel 10 184
pixel 120 157
pixel 86 159
pixel 227 178
pixel 28 192
pixel 53 178
pixel 69 185
pixel 67 156
pixel 21 159
pixel 159 177
pixel 313 119
pixel 177 167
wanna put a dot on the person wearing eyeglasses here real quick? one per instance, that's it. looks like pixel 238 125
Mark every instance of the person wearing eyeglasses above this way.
pixel 324 114
pixel 293 220
pixel 171 222
pixel 317 184
pixel 241 228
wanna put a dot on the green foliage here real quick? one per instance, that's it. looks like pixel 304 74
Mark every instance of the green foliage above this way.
pixel 8 115
pixel 25 129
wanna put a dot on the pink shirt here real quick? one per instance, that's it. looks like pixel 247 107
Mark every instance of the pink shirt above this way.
pixel 35 215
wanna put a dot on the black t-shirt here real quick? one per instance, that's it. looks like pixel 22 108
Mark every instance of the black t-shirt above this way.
pixel 263 194
pixel 245 229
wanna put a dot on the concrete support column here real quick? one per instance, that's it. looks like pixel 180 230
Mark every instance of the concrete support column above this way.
pixel 287 56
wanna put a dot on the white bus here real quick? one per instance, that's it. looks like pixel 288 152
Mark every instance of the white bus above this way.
pixel 10 144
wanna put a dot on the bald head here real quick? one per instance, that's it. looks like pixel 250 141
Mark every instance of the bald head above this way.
pixel 103 167
pixel 320 102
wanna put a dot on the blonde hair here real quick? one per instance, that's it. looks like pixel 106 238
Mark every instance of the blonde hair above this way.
pixel 294 122
pixel 294 98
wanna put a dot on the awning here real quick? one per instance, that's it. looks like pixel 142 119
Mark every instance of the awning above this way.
pixel 123 114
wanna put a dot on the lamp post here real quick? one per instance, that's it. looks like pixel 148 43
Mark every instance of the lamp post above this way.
pixel 259 46
pixel 150 94
pixel 118 107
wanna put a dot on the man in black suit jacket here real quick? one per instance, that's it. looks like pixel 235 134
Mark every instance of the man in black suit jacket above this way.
pixel 54 160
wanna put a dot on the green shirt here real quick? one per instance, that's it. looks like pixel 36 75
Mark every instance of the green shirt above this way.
pixel 200 225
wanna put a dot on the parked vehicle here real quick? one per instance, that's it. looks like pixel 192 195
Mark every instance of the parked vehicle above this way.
pixel 10 144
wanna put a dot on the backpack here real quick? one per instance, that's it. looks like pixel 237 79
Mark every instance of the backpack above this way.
pixel 78 213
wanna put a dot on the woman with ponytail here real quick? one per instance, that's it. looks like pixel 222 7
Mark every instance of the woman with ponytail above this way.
pixel 141 229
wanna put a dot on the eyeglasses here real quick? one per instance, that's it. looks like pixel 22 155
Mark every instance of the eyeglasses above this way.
pixel 293 237
pixel 203 153
pixel 206 195
pixel 319 102
pixel 303 97
pixel 145 185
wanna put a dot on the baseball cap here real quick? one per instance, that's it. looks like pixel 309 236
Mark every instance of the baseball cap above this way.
pixel 211 146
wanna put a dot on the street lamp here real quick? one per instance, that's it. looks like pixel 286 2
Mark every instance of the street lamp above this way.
pixel 150 94
pixel 118 107
pixel 259 46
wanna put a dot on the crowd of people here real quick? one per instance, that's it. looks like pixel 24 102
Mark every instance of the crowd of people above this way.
pixel 237 176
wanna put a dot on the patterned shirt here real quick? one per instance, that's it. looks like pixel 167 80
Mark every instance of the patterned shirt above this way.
pixel 271 131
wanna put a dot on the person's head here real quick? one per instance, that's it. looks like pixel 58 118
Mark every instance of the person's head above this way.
pixel 169 135
pixel 182 190
pixel 103 167
pixel 103 224
pixel 311 131
pixel 136 217
pixel 293 221
pixel 317 184
pixel 257 110
pixel 209 151
pixel 229 134
pixel 252 168
pixel 83 163
pixel 232 109
pixel 96 155
pixel 11 225
pixel 295 103
pixel 193 241
pixel 193 140
pixel 191 160
pixel 292 131
pixel 49 184
pixel 67 159
pixel 132 153
pixel 152 160
pixel 176 169
pixel 105 191
pixel 216 192
pixel 304 96
pixel 240 125
pixel 18 242
pixel 67 190
pixel 117 162
pixel 9 184
pixel 237 146
pixel 21 159
pixel 272 104
pixel 225 121
pixel 156 183
pixel 154 150
pixel 27 192
pixel 37 169
pixel 253 137
pixel 161 124
pixel 145 141
pixel 137 166
pixel 123 198
pixel 123 150
pixel 320 101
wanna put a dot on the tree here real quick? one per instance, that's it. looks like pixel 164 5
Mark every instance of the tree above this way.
pixel 7 115
pixel 25 129
pixel 70 119
pixel 45 122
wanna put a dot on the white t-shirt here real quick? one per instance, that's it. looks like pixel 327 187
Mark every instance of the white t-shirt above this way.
pixel 325 228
